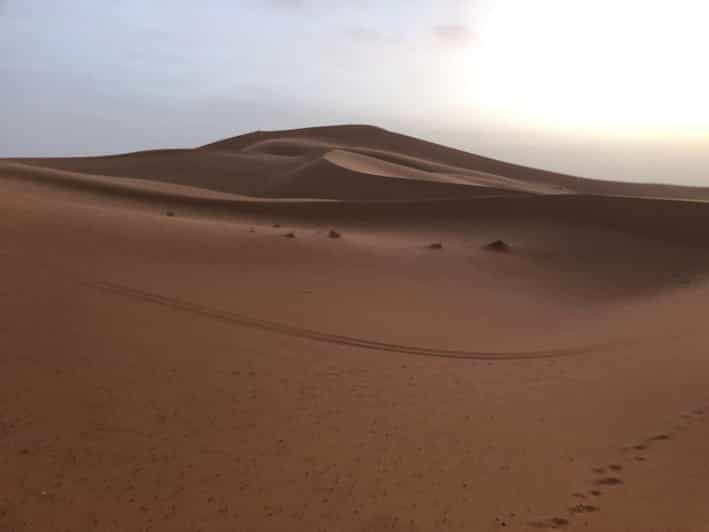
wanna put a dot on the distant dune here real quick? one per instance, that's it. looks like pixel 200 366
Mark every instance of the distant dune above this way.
pixel 345 163
pixel 344 328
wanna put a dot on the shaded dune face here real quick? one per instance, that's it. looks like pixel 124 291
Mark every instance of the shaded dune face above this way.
pixel 324 178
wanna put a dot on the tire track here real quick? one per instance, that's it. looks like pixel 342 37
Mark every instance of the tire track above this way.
pixel 241 320
pixel 284 329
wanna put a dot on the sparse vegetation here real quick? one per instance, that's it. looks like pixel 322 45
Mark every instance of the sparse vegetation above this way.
pixel 498 245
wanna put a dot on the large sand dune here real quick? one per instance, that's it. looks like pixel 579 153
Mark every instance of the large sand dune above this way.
pixel 337 162
pixel 172 362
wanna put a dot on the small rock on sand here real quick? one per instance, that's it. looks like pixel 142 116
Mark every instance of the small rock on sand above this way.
pixel 497 245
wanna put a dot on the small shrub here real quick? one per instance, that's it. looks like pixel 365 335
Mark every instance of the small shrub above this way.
pixel 498 245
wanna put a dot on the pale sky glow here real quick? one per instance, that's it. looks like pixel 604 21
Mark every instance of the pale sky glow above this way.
pixel 600 88
pixel 629 68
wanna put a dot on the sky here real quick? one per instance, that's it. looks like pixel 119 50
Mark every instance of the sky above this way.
pixel 609 89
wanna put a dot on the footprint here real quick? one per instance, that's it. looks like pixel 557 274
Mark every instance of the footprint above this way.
pixel 660 437
pixel 640 459
pixel 599 470
pixel 640 447
pixel 596 493
pixel 609 481
pixel 553 523
pixel 615 467
pixel 583 509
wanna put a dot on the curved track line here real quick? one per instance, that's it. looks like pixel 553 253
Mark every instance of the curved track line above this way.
pixel 309 334
pixel 284 329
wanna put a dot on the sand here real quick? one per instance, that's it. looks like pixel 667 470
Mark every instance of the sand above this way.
pixel 171 362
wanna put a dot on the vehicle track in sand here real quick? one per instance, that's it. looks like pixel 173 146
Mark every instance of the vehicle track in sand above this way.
pixel 242 320
pixel 319 336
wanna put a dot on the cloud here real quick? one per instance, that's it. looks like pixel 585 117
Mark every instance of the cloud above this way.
pixel 454 33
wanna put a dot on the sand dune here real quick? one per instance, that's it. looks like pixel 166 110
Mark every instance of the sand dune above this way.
pixel 325 162
pixel 171 362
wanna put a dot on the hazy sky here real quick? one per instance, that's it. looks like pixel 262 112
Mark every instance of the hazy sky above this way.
pixel 602 88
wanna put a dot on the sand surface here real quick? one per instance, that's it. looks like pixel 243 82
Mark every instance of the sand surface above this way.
pixel 172 361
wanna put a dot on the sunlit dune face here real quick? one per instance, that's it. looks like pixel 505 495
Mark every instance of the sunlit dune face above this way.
pixel 618 67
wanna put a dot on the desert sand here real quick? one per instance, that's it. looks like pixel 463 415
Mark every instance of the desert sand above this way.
pixel 171 362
